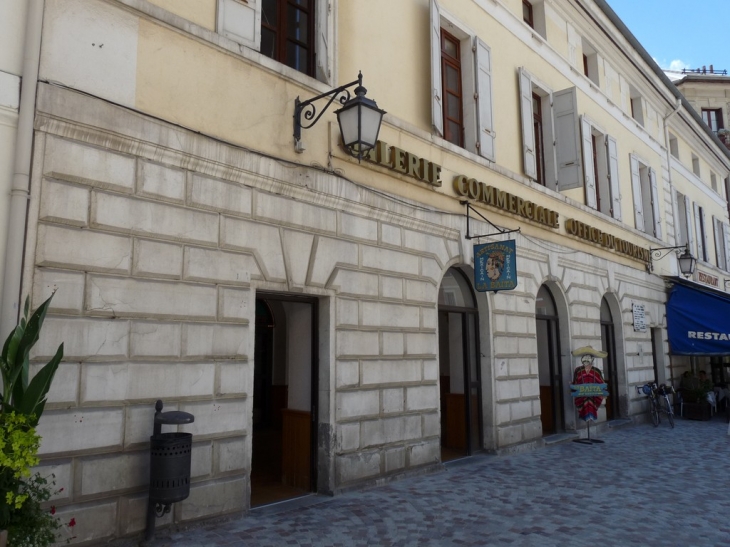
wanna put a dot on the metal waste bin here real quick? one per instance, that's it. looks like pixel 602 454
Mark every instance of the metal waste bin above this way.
pixel 170 461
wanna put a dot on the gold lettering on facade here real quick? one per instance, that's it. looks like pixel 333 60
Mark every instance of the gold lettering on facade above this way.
pixel 594 235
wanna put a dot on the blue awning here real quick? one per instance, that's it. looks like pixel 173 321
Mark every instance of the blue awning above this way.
pixel 698 321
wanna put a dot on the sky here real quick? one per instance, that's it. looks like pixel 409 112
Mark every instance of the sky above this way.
pixel 680 33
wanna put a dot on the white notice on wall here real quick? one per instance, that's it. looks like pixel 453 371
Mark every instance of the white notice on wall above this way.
pixel 639 318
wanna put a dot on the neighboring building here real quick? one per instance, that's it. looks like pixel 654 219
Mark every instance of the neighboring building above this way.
pixel 318 315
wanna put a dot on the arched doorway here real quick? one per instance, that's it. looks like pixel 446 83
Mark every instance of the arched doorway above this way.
pixel 459 376
pixel 548 363
pixel 610 369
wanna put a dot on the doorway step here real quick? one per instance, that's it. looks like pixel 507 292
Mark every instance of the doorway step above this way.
pixel 559 438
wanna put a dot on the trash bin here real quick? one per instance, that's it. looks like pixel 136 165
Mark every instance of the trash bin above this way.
pixel 170 462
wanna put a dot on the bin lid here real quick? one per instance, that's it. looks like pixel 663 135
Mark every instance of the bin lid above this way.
pixel 174 417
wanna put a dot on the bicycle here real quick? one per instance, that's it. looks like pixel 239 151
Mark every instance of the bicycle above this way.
pixel 659 400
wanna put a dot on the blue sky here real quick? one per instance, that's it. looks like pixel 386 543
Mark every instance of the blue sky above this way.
pixel 680 33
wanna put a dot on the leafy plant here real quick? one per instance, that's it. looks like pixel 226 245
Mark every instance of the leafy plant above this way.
pixel 19 394
pixel 32 525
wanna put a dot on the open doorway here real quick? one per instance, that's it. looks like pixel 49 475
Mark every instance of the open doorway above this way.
pixel 459 381
pixel 283 462
pixel 610 372
pixel 548 363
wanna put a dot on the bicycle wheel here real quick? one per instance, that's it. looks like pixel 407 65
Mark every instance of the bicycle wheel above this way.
pixel 670 411
pixel 654 413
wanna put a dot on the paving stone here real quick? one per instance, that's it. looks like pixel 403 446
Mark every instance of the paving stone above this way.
pixel 645 485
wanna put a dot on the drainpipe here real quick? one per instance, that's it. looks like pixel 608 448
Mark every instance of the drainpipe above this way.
pixel 677 108
pixel 20 192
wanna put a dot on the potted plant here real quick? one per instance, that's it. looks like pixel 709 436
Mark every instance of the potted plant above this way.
pixel 24 517
pixel 695 405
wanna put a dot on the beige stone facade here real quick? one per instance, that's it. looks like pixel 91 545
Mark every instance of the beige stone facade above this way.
pixel 176 222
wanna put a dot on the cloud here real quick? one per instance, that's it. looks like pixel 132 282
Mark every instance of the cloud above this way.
pixel 678 64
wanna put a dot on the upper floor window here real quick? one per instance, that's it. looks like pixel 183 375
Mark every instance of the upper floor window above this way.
pixel 637 104
pixel 590 62
pixel 673 146
pixel 647 209
pixel 461 80
pixel 683 222
pixel 600 169
pixel 713 181
pixel 295 33
pixel 527 15
pixel 700 232
pixel 713 118
pixel 696 165
pixel 451 86
pixel 287 33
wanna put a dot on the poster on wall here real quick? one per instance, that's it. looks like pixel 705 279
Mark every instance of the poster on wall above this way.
pixel 495 266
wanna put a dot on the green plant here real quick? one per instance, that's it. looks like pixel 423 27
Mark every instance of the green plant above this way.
pixel 19 394
pixel 18 447
pixel 32 525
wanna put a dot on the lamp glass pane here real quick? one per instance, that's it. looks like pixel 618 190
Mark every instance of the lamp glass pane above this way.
pixel 348 125
pixel 370 126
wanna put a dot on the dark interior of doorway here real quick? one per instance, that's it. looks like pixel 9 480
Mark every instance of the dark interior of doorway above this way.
pixel 283 461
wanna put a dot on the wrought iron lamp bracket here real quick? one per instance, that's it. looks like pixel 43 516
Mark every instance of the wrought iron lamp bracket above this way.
pixel 308 111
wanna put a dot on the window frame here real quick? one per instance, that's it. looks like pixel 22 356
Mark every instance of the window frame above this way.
pixel 708 119
pixel 476 71
pixel 241 21
pixel 455 64
pixel 282 35
pixel 647 206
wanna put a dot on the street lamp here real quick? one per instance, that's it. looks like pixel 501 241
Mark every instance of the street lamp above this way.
pixel 686 261
pixel 359 118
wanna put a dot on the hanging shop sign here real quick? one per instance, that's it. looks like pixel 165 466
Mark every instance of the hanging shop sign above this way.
pixel 593 235
pixel 489 195
pixel 405 163
pixel 495 266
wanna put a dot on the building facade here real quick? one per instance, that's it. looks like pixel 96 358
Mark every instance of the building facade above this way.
pixel 318 315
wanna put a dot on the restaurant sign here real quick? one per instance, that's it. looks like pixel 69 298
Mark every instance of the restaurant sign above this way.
pixel 495 266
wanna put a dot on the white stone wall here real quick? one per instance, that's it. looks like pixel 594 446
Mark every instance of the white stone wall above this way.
pixel 157 240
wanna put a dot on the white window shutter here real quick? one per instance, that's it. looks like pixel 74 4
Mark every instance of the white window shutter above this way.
pixel 612 154
pixel 656 206
pixel 573 43
pixel 625 92
pixel 567 139
pixel 698 232
pixel 437 108
pixel 705 243
pixel 726 242
pixel 588 173
pixel 690 224
pixel 241 21
pixel 485 121
pixel 638 202
pixel 322 31
pixel 719 236
pixel 528 128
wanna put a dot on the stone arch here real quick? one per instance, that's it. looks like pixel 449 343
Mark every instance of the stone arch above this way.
pixel 614 306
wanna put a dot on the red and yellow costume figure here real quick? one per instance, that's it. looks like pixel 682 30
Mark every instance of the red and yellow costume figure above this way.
pixel 588 374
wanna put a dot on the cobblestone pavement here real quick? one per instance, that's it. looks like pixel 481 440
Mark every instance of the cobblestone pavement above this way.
pixel 644 486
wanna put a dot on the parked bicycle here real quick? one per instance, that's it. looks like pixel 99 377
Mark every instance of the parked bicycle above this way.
pixel 659 401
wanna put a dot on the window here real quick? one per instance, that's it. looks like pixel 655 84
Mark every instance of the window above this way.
pixel 683 223
pixel 700 232
pixel 542 114
pixel 695 165
pixel 600 170
pixel 713 118
pixel 721 250
pixel 533 14
pixel 527 13
pixel 451 86
pixel 461 79
pixel 673 146
pixel 637 104
pixel 727 193
pixel 293 32
pixel 590 62
pixel 713 181
pixel 647 210
pixel 287 32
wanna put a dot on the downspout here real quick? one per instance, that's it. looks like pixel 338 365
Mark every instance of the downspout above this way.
pixel 20 192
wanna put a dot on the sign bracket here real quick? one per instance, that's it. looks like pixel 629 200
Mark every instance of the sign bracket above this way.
pixel 500 231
